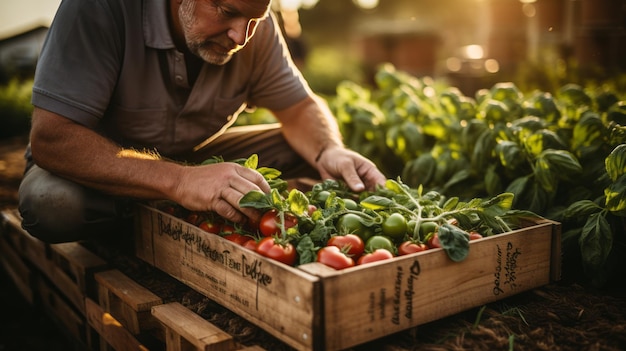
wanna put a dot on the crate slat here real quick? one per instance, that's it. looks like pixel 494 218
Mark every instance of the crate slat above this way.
pixel 127 301
pixel 184 327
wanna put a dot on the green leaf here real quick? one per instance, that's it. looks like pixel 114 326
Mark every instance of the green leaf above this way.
pixel 596 241
pixel 616 197
pixel 375 203
pixel 581 209
pixel 615 163
pixel 588 134
pixel 298 202
pixel 269 173
pixel 545 175
pixel 563 163
pixel 306 250
pixel 510 153
pixel 450 204
pixel 394 186
pixel 252 162
pixel 454 241
pixel 255 199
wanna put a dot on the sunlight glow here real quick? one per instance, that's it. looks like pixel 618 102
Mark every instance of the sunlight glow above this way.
pixel 473 52
pixel 366 4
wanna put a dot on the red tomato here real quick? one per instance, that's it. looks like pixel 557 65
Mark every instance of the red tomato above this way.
pixel 312 208
pixel 351 244
pixel 193 218
pixel 409 247
pixel 433 241
pixel 269 224
pixel 250 244
pixel 278 251
pixel 210 226
pixel 236 238
pixel 377 255
pixel 332 256
pixel 475 235
pixel 227 229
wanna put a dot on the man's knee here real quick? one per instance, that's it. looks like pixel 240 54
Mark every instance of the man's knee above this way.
pixel 58 210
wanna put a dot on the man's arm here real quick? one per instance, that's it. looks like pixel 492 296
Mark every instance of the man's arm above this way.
pixel 311 129
pixel 75 152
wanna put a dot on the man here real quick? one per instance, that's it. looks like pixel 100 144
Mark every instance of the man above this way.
pixel 130 95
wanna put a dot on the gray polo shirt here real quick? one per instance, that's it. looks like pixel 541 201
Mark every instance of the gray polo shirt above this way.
pixel 112 66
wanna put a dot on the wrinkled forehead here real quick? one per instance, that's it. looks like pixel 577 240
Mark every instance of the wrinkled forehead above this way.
pixel 246 8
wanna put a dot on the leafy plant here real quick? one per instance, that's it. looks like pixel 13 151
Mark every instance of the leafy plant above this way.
pixel 559 153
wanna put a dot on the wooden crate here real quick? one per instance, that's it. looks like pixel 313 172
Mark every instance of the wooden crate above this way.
pixel 30 248
pixel 61 311
pixel 17 269
pixel 313 307
pixel 69 266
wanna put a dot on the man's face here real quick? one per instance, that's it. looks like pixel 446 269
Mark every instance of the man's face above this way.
pixel 216 29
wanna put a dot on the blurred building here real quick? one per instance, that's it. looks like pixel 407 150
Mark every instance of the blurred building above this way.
pixel 476 43
pixel 19 52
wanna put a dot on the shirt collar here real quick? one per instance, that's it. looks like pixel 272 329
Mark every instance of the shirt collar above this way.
pixel 156 29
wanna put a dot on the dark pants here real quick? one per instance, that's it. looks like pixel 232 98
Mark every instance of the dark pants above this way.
pixel 57 210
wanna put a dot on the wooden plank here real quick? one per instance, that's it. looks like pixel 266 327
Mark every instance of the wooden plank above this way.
pixel 110 329
pixel 423 287
pixel 17 270
pixel 184 328
pixel 127 301
pixel 59 309
pixel 32 249
pixel 282 300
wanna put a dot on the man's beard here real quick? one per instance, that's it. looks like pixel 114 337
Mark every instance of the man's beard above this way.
pixel 210 51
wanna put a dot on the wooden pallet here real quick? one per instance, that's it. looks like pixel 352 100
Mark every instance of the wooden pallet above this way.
pixel 98 306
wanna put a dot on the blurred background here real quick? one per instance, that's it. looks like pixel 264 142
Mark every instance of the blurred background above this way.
pixel 471 44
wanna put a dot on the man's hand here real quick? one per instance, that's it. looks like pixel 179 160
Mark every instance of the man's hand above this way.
pixel 219 187
pixel 357 171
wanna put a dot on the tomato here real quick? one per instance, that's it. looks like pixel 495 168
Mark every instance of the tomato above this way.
pixel 350 204
pixel 409 247
pixel 427 227
pixel 379 242
pixel 311 208
pixel 236 238
pixel 377 255
pixel 282 252
pixel 395 226
pixel 433 241
pixel 270 222
pixel 250 244
pixel 332 256
pixel 227 229
pixel 350 223
pixel 210 226
pixel 321 197
pixel 351 244
pixel 193 218
pixel 475 235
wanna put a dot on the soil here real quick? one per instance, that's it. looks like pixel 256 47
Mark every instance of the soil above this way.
pixel 561 316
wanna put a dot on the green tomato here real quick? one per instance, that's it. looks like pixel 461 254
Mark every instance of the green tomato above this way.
pixel 350 204
pixel 427 228
pixel 395 226
pixel 350 223
pixel 321 197
pixel 379 242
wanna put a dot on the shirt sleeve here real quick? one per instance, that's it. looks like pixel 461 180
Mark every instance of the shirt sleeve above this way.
pixel 276 82
pixel 80 61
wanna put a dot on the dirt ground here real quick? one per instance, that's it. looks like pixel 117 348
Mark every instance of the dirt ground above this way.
pixel 561 316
